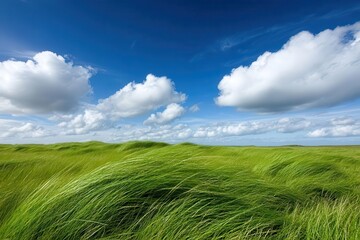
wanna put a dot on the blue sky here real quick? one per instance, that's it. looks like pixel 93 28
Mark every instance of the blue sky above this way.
pixel 213 72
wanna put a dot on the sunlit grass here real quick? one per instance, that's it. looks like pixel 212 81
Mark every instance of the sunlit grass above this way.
pixel 146 190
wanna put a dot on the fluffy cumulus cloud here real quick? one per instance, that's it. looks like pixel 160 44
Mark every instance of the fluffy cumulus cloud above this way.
pixel 171 112
pixel 132 100
pixel 44 84
pixel 309 71
pixel 48 84
pixel 138 98
pixel 85 122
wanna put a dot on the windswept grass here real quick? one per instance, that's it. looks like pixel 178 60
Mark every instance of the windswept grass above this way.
pixel 147 190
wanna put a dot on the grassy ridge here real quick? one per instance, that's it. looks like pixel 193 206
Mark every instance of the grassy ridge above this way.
pixel 146 190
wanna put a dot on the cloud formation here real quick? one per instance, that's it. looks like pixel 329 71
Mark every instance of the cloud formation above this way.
pixel 290 125
pixel 253 127
pixel 233 129
pixel 98 127
pixel 89 120
pixel 134 99
pixel 171 112
pixel 338 127
pixel 11 128
pixel 309 71
pixel 208 131
pixel 44 84
pixel 138 98
pixel 172 133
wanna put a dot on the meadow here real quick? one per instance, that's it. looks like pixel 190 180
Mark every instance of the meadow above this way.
pixel 148 190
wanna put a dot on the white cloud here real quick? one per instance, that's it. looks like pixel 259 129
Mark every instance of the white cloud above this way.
pixel 233 129
pixel 92 125
pixel 309 71
pixel 13 128
pixel 336 131
pixel 253 127
pixel 212 131
pixel 44 84
pixel 132 100
pixel 338 127
pixel 85 122
pixel 290 125
pixel 318 126
pixel 138 98
pixel 171 112
pixel 159 133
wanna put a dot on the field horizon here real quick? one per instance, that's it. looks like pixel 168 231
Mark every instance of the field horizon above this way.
pixel 155 190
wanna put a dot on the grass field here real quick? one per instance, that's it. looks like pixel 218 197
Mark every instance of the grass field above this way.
pixel 146 190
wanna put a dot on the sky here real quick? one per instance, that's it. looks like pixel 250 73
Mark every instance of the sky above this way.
pixel 212 72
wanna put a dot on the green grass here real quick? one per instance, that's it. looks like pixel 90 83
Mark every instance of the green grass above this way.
pixel 147 190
